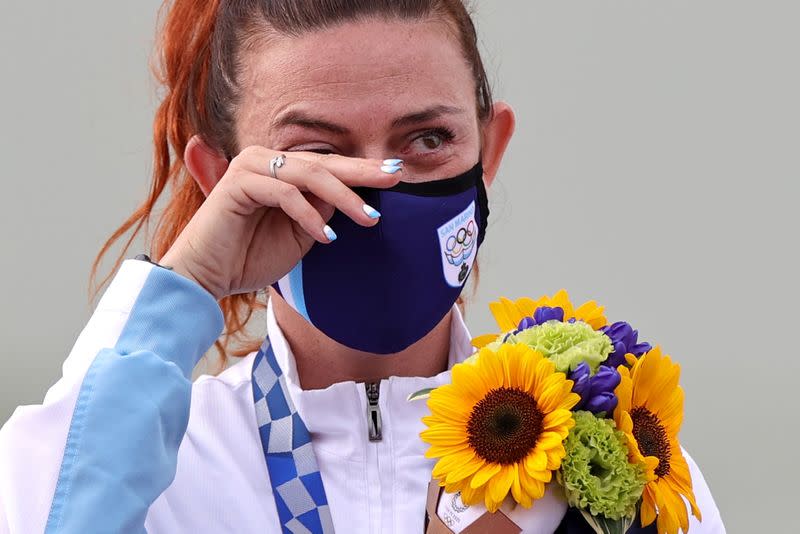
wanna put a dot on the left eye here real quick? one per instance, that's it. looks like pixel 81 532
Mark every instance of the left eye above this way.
pixel 432 140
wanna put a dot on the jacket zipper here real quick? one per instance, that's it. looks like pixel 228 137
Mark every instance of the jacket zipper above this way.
pixel 374 422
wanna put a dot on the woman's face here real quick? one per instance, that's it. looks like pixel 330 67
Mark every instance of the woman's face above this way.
pixel 372 89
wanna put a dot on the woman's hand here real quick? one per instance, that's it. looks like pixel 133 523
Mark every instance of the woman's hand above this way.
pixel 253 228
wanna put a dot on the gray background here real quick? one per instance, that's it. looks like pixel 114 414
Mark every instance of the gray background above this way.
pixel 655 169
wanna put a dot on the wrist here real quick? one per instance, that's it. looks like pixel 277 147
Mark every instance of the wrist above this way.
pixel 172 262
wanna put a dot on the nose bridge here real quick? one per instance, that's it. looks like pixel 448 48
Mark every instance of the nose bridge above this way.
pixel 379 151
pixel 370 135
pixel 372 142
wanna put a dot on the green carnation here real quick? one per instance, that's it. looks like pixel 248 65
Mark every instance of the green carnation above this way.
pixel 567 344
pixel 595 473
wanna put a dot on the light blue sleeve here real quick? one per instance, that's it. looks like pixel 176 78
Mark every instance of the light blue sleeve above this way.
pixel 130 410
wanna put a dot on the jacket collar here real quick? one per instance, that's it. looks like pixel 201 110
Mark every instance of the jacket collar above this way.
pixel 336 416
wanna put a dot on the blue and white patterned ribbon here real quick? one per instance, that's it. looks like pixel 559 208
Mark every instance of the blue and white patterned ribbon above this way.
pixel 293 470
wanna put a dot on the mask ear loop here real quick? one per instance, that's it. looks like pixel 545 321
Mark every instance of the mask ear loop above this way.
pixel 483 205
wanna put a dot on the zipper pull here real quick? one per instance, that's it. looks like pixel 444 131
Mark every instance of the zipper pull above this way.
pixel 373 411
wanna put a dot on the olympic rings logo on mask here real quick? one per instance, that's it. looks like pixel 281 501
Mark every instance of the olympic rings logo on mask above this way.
pixel 460 245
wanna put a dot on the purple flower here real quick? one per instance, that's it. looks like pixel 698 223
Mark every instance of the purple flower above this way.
pixel 625 340
pixel 524 324
pixel 581 378
pixel 540 316
pixel 605 379
pixel 604 402
pixel 546 313
pixel 596 391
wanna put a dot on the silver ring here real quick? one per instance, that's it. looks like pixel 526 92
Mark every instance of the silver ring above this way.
pixel 276 163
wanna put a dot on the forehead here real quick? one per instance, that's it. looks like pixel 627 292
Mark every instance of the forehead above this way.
pixel 364 70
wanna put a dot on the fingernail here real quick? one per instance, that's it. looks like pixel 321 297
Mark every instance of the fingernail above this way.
pixel 371 212
pixel 393 162
pixel 391 169
pixel 329 233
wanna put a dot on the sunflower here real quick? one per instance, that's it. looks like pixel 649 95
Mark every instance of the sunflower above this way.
pixel 500 426
pixel 650 413
pixel 508 313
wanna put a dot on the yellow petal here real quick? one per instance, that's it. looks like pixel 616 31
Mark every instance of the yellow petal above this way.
pixel 569 400
pixel 676 505
pixel 542 476
pixel 530 485
pixel 650 466
pixel 625 423
pixel 648 510
pixel 664 387
pixel 536 461
pixel 437 451
pixel 484 474
pixel 526 306
pixel 443 435
pixel 551 395
pixel 471 496
pixel 548 440
pixel 542 370
pixel 448 394
pixel 671 412
pixel 523 378
pixel 556 418
pixel 499 486
pixel 517 491
pixel 451 462
pixel 454 413
pixel 592 314
pixel 554 457
pixel 468 379
pixel 465 470
pixel 561 300
pixel 491 368
pixel 505 314
pixel 481 341
pixel 645 376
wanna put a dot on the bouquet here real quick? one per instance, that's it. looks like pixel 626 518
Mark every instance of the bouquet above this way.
pixel 560 398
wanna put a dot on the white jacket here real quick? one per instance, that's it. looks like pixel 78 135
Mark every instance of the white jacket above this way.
pixel 115 448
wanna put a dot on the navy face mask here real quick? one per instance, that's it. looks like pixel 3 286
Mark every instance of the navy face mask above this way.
pixel 382 289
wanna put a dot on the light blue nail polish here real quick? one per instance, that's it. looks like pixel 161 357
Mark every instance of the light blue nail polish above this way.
pixel 371 212
pixel 393 162
pixel 391 169
pixel 329 233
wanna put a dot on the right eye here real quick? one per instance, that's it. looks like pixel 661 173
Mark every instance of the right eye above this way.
pixel 315 149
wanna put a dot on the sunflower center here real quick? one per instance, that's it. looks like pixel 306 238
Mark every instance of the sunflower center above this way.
pixel 652 438
pixel 504 426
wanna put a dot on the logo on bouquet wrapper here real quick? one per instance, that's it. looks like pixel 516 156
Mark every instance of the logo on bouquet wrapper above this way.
pixel 458 239
pixel 452 512
pixel 457 504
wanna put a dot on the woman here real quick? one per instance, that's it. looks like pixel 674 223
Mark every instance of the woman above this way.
pixel 315 148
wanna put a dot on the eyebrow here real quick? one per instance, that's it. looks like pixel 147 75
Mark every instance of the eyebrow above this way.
pixel 300 118
pixel 426 115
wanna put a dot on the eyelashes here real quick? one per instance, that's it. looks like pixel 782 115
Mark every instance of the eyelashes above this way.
pixel 433 140
pixel 442 131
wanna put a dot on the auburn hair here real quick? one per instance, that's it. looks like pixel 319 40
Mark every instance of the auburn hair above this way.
pixel 196 64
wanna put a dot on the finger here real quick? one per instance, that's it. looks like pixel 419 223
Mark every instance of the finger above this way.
pixel 353 172
pixel 269 192
pixel 324 209
pixel 309 176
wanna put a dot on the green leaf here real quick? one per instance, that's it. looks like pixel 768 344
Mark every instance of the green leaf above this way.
pixel 421 394
pixel 603 525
